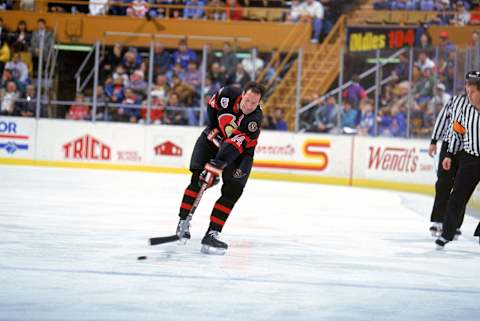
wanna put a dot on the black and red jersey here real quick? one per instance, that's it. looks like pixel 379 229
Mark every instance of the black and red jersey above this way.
pixel 240 131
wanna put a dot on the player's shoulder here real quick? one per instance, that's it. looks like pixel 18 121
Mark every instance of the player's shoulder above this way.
pixel 230 92
pixel 253 120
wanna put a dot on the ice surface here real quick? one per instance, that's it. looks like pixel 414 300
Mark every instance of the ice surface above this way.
pixel 70 239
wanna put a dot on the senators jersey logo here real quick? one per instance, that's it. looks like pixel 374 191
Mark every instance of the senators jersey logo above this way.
pixel 228 123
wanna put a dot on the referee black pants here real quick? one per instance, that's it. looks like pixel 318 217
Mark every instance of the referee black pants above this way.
pixel 466 179
pixel 443 187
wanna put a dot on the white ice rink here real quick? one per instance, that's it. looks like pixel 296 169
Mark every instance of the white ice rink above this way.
pixel 69 240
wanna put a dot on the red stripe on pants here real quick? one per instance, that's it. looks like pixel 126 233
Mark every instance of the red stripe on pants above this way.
pixel 216 220
pixel 186 206
pixel 222 208
pixel 191 193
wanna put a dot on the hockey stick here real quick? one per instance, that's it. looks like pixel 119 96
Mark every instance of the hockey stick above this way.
pixel 173 238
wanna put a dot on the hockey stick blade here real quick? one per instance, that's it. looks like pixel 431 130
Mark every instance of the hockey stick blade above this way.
pixel 163 239
pixel 173 238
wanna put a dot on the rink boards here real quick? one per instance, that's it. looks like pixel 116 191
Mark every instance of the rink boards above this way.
pixel 346 160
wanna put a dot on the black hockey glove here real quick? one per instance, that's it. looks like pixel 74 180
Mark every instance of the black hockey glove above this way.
pixel 211 173
pixel 215 137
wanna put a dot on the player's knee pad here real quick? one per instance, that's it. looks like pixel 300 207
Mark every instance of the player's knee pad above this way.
pixel 195 179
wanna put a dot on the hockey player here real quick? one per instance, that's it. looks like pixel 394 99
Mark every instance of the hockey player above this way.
pixel 225 148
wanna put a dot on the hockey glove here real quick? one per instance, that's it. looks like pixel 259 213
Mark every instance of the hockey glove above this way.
pixel 211 173
pixel 215 137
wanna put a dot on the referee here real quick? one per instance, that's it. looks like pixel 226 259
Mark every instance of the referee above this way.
pixel 465 130
pixel 445 178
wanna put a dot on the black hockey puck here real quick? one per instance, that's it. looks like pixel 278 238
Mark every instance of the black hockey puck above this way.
pixel 143 257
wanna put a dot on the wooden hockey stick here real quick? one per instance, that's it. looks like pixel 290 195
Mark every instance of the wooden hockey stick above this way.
pixel 173 238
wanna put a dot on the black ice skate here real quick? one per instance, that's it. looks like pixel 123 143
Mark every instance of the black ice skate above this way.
pixel 441 242
pixel 458 233
pixel 183 229
pixel 436 229
pixel 212 245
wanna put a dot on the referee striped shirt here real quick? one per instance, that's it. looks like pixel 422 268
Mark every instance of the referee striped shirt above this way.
pixel 444 118
pixel 466 119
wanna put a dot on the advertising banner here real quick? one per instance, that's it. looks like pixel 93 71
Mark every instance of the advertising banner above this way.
pixel 17 137
pixel 395 160
pixel 381 37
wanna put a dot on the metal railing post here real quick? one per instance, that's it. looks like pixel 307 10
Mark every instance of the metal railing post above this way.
pixel 39 77
pixel 202 85
pixel 410 97
pixel 95 80
pixel 298 92
pixel 150 82
pixel 377 90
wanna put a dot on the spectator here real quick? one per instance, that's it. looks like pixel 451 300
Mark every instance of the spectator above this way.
pixel 4 32
pixel 21 38
pixel 131 60
pixel 366 127
pixel 313 11
pixel 157 111
pixel 7 76
pixel 161 88
pixel 423 88
pixel 39 36
pixel 120 73
pixel 137 8
pixel 216 75
pixel 233 10
pixel 424 61
pixel 185 93
pixel 295 12
pixel 28 106
pixel 98 7
pixel 462 16
pixel 114 58
pixel 18 67
pixel 444 16
pixel 239 78
pixel 252 66
pixel 184 55
pixel 4 54
pixel 440 97
pixel 215 10
pixel 162 60
pixel 78 110
pixel 354 92
pixel 279 122
pixel 115 90
pixel 129 112
pixel 326 116
pixel 348 117
pixel 402 69
pixel 445 46
pixel 193 76
pixel 175 115
pixel 195 9
pixel 8 98
pixel 229 60
pixel 138 84
pixel 398 125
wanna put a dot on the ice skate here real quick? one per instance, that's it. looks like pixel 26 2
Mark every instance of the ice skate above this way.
pixel 458 233
pixel 183 229
pixel 212 245
pixel 436 229
pixel 441 242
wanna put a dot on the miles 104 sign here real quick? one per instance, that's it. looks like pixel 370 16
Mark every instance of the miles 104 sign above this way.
pixel 373 38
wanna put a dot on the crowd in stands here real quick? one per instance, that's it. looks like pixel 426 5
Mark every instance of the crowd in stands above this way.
pixel 405 107
pixel 459 13
pixel 19 55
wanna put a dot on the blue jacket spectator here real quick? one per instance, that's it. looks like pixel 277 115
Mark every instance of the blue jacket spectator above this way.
pixel 194 9
pixel 184 55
